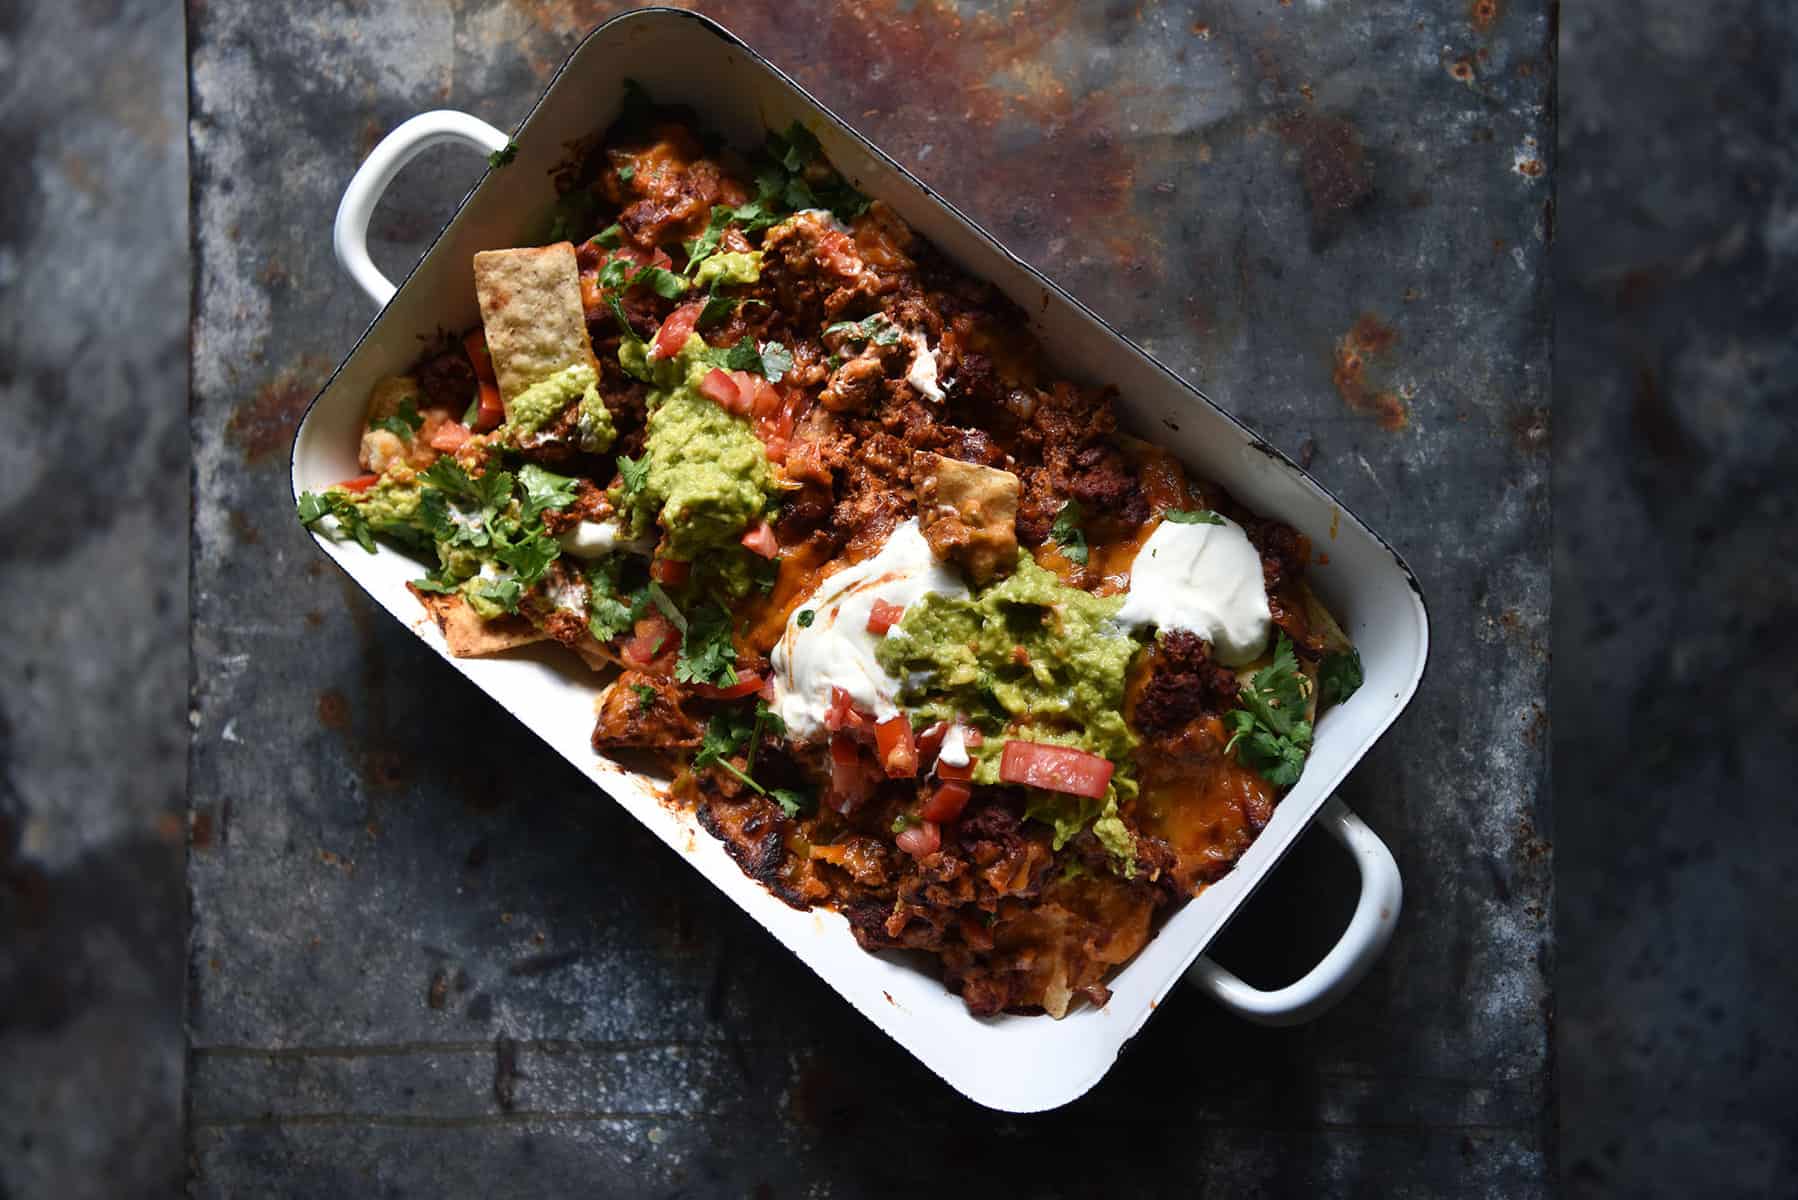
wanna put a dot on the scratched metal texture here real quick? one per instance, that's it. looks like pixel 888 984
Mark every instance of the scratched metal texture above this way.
pixel 428 959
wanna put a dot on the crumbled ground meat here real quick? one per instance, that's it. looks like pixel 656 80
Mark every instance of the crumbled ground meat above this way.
pixel 1183 684
pixel 448 381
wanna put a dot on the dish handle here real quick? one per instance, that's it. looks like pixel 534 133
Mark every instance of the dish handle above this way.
pixel 1376 915
pixel 349 233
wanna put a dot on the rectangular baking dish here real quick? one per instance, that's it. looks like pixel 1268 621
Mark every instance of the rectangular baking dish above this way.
pixel 1014 1063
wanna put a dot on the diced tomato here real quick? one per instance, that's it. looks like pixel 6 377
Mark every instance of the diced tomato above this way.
pixel 475 343
pixel 673 333
pixel 930 740
pixel 1055 768
pixel 898 752
pixel 848 779
pixel 449 437
pixel 919 841
pixel 721 389
pixel 648 637
pixel 492 413
pixel 766 691
pixel 766 400
pixel 951 771
pixel 671 572
pixel 746 683
pixel 760 540
pixel 883 616
pixel 360 484
pixel 842 714
pixel 946 803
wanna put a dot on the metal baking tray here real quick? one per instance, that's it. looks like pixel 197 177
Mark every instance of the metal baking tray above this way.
pixel 1011 1062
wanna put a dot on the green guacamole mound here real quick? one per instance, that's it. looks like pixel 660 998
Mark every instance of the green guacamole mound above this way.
pixel 958 655
pixel 728 267
pixel 704 475
pixel 545 400
pixel 391 507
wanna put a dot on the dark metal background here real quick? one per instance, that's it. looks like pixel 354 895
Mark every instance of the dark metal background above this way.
pixel 428 959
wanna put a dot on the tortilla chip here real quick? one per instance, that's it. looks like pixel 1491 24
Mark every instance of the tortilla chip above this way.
pixel 471 636
pixel 531 308
pixel 968 513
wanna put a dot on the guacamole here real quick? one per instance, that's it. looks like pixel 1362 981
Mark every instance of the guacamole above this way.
pixel 1034 660
pixel 730 267
pixel 703 475
pixel 542 402
pixel 593 423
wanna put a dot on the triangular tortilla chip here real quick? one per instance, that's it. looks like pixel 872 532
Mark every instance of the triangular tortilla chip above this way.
pixel 471 636
pixel 531 309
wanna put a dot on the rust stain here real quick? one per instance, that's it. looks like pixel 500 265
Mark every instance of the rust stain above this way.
pixel 199 831
pixel 241 526
pixel 333 709
pixel 1531 167
pixel 1201 30
pixel 1333 167
pixel 1483 14
pixel 438 990
pixel 1369 338
pixel 1530 429
pixel 265 423
pixel 1462 69
pixel 1033 152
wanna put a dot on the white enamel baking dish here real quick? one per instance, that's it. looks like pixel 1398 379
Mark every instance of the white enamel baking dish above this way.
pixel 1015 1063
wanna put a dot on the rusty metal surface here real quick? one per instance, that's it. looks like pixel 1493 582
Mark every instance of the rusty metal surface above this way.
pixel 426 959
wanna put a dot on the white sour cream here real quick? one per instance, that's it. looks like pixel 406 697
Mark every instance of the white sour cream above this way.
pixel 592 539
pixel 836 650
pixel 954 752
pixel 922 374
pixel 1205 579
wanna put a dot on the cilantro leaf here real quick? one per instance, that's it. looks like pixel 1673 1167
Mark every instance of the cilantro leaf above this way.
pixel 627 173
pixel 350 521
pixel 876 328
pixel 402 423
pixel 1068 533
pixel 806 616
pixel 646 696
pixel 624 323
pixel 610 612
pixel 716 309
pixel 472 413
pixel 529 556
pixel 776 361
pixel 635 474
pixel 437 582
pixel 611 237
pixel 1339 676
pixel 661 281
pixel 1192 516
pixel 312 508
pixel 616 273
pixel 506 593
pixel 792 801
pixel 503 155
pixel 544 490
pixel 707 650
pixel 447 473
pixel 1269 732
pixel 725 734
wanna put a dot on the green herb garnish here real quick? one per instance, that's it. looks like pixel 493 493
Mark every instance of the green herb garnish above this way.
pixel 1067 532
pixel 1269 732
pixel 1192 516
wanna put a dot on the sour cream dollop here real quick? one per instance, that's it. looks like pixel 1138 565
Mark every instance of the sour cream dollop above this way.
pixel 922 373
pixel 836 650
pixel 1205 579
pixel 591 539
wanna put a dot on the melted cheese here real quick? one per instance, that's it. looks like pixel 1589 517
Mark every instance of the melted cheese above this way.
pixel 1205 579
pixel 836 650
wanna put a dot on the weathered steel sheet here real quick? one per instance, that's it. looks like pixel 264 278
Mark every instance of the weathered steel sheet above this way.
pixel 427 958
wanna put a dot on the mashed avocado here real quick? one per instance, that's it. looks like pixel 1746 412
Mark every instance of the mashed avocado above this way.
pixel 1032 659
pixel 703 475
pixel 542 402
pixel 730 267
pixel 594 423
